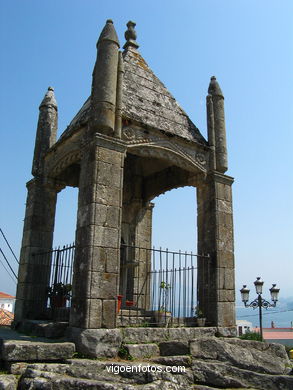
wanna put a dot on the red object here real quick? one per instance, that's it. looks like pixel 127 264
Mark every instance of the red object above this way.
pixel 129 303
pixel 58 301
pixel 119 302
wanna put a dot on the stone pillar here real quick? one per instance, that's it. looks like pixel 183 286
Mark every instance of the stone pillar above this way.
pixel 98 235
pixel 104 83
pixel 216 127
pixel 34 271
pixel 143 242
pixel 216 288
pixel 46 131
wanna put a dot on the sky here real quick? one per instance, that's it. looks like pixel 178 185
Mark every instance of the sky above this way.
pixel 247 45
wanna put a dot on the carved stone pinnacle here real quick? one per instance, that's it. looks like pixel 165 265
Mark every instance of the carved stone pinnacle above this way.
pixel 130 36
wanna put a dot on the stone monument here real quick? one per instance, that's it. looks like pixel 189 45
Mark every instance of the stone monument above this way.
pixel 130 142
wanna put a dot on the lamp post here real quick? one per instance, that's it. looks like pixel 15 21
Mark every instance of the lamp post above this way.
pixel 259 301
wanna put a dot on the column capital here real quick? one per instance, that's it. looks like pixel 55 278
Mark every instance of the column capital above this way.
pixel 46 182
pixel 110 143
pixel 220 178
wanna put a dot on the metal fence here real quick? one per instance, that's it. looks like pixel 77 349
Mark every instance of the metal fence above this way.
pixel 56 266
pixel 156 286
pixel 62 265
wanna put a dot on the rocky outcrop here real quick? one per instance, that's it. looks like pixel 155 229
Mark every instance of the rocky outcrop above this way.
pixel 250 355
pixel 228 376
pixel 198 374
pixel 100 375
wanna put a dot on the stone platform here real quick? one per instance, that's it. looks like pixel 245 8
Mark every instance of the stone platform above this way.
pixel 207 360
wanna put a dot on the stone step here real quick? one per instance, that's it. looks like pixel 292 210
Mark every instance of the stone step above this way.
pixel 134 320
pixel 141 351
pixel 134 312
pixel 180 360
pixel 23 351
pixel 46 329
pixel 173 348
pixel 156 335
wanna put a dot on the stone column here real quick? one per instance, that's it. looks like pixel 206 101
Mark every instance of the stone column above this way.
pixel 143 242
pixel 34 270
pixel 98 235
pixel 216 288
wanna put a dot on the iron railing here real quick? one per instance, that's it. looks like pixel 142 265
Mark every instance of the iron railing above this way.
pixel 156 285
pixel 56 266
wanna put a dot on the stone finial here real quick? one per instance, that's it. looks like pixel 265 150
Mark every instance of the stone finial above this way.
pixel 214 88
pixel 109 33
pixel 130 36
pixel 49 99
pixel 46 131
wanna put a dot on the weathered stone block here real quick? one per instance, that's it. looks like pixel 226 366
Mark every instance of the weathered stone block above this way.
pixel 144 335
pixel 103 285
pixel 81 282
pixel 220 191
pixel 109 174
pixel 36 238
pixel 108 195
pixel 86 215
pixel 227 245
pixel 142 350
pixel 180 360
pixel 227 376
pixel 226 314
pixel 226 279
pixel 223 331
pixel 171 348
pixel 17 368
pixel 249 355
pixel 110 156
pixel 106 237
pixel 95 313
pixel 190 333
pixel 96 342
pixel 94 235
pixel 8 382
pixel 112 217
pixel 109 312
pixel 225 259
pixel 226 296
pixel 55 330
pixel 80 311
pixel 224 206
pixel 113 260
pixel 18 350
pixel 86 195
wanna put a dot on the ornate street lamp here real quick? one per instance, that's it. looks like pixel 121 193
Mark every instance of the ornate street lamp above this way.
pixel 259 301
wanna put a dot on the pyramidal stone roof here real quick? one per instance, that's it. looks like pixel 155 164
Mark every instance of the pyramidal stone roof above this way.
pixel 145 99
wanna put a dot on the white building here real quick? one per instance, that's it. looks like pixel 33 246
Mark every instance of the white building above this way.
pixel 7 302
pixel 243 327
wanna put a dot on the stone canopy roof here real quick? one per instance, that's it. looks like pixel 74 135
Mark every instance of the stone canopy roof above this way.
pixel 146 101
